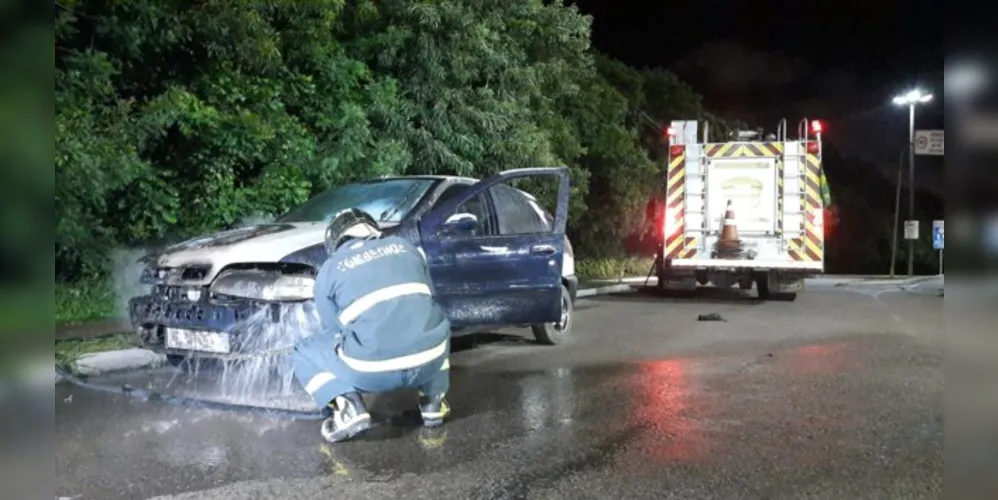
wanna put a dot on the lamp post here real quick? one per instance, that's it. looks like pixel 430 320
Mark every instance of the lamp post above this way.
pixel 911 99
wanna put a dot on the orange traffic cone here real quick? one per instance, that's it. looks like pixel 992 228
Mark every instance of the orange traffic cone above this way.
pixel 728 245
pixel 729 231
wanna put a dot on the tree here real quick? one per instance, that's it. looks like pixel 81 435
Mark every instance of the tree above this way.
pixel 181 119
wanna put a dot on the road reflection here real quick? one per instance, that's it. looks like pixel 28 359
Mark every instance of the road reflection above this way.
pixel 663 397
pixel 816 359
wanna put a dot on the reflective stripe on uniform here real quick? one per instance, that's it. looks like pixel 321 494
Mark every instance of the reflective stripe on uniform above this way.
pixel 316 382
pixel 354 310
pixel 445 365
pixel 399 363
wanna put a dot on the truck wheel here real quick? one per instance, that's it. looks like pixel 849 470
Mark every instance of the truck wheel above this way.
pixel 556 333
pixel 762 286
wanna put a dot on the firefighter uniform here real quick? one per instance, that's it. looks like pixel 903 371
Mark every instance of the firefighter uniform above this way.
pixel 382 330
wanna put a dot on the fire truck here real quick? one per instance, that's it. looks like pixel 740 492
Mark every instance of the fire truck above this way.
pixel 746 211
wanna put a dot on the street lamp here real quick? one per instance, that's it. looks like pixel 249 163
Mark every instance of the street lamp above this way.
pixel 911 99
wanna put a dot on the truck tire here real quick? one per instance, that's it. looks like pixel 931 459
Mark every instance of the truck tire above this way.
pixel 556 333
pixel 762 285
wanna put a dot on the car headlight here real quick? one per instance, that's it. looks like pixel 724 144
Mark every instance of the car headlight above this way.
pixel 263 285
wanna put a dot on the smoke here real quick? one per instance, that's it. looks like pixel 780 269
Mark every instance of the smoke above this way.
pixel 125 272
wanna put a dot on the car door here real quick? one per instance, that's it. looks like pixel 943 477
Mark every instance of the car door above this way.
pixel 487 276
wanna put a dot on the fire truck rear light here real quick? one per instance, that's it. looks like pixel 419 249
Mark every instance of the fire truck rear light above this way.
pixel 676 150
pixel 812 147
pixel 818 217
pixel 670 131
pixel 816 126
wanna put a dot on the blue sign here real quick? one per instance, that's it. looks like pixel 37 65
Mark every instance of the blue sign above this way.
pixel 938 239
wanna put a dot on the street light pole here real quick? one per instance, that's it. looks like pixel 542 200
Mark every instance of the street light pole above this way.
pixel 897 210
pixel 911 99
pixel 911 186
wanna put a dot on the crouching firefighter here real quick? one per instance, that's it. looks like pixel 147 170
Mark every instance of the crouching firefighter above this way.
pixel 382 329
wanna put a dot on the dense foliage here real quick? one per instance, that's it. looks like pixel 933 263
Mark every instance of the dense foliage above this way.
pixel 177 118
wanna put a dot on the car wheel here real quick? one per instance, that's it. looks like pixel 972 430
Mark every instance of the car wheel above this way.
pixel 555 333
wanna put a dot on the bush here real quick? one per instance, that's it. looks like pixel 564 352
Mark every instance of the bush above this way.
pixel 604 268
pixel 85 300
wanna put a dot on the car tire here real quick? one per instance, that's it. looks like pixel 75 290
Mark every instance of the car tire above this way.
pixel 556 333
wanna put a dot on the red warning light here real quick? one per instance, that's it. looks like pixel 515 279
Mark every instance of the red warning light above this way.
pixel 670 131
pixel 816 126
pixel 676 150
pixel 812 147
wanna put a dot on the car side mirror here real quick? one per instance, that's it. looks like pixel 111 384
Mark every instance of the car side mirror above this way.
pixel 460 224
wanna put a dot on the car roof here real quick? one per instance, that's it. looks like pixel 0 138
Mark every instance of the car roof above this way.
pixel 470 180
pixel 428 177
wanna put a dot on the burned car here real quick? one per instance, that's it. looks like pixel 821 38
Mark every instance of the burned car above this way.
pixel 497 259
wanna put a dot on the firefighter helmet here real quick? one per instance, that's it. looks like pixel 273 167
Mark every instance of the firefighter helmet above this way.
pixel 349 224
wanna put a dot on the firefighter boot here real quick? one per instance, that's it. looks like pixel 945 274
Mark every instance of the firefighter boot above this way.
pixel 349 418
pixel 433 409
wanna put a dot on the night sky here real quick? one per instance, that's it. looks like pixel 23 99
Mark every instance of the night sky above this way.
pixel 758 61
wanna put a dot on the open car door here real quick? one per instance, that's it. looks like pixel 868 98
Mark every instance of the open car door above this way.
pixel 484 277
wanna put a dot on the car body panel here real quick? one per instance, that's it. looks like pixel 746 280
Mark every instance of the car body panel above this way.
pixel 497 279
pixel 481 281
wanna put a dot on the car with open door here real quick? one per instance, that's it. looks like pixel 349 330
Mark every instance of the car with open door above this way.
pixel 496 256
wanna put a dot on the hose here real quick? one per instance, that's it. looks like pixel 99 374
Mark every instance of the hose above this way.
pixel 189 402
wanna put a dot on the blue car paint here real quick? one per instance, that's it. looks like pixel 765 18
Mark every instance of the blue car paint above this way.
pixel 477 285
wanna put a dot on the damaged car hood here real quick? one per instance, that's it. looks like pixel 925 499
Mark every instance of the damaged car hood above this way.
pixel 251 244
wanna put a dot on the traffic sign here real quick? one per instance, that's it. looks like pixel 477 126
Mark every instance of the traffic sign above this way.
pixel 929 142
pixel 938 239
pixel 911 229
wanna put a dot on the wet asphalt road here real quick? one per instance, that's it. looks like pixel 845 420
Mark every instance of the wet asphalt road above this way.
pixel 837 395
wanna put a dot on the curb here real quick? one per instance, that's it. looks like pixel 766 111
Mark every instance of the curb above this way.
pixel 99 363
pixel 602 290
pixel 896 281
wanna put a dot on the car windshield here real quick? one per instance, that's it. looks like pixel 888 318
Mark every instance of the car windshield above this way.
pixel 386 200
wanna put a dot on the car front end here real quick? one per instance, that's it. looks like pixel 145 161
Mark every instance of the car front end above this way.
pixel 186 314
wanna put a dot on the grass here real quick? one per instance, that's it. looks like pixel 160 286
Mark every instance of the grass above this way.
pixel 67 352
pixel 83 301
pixel 612 268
